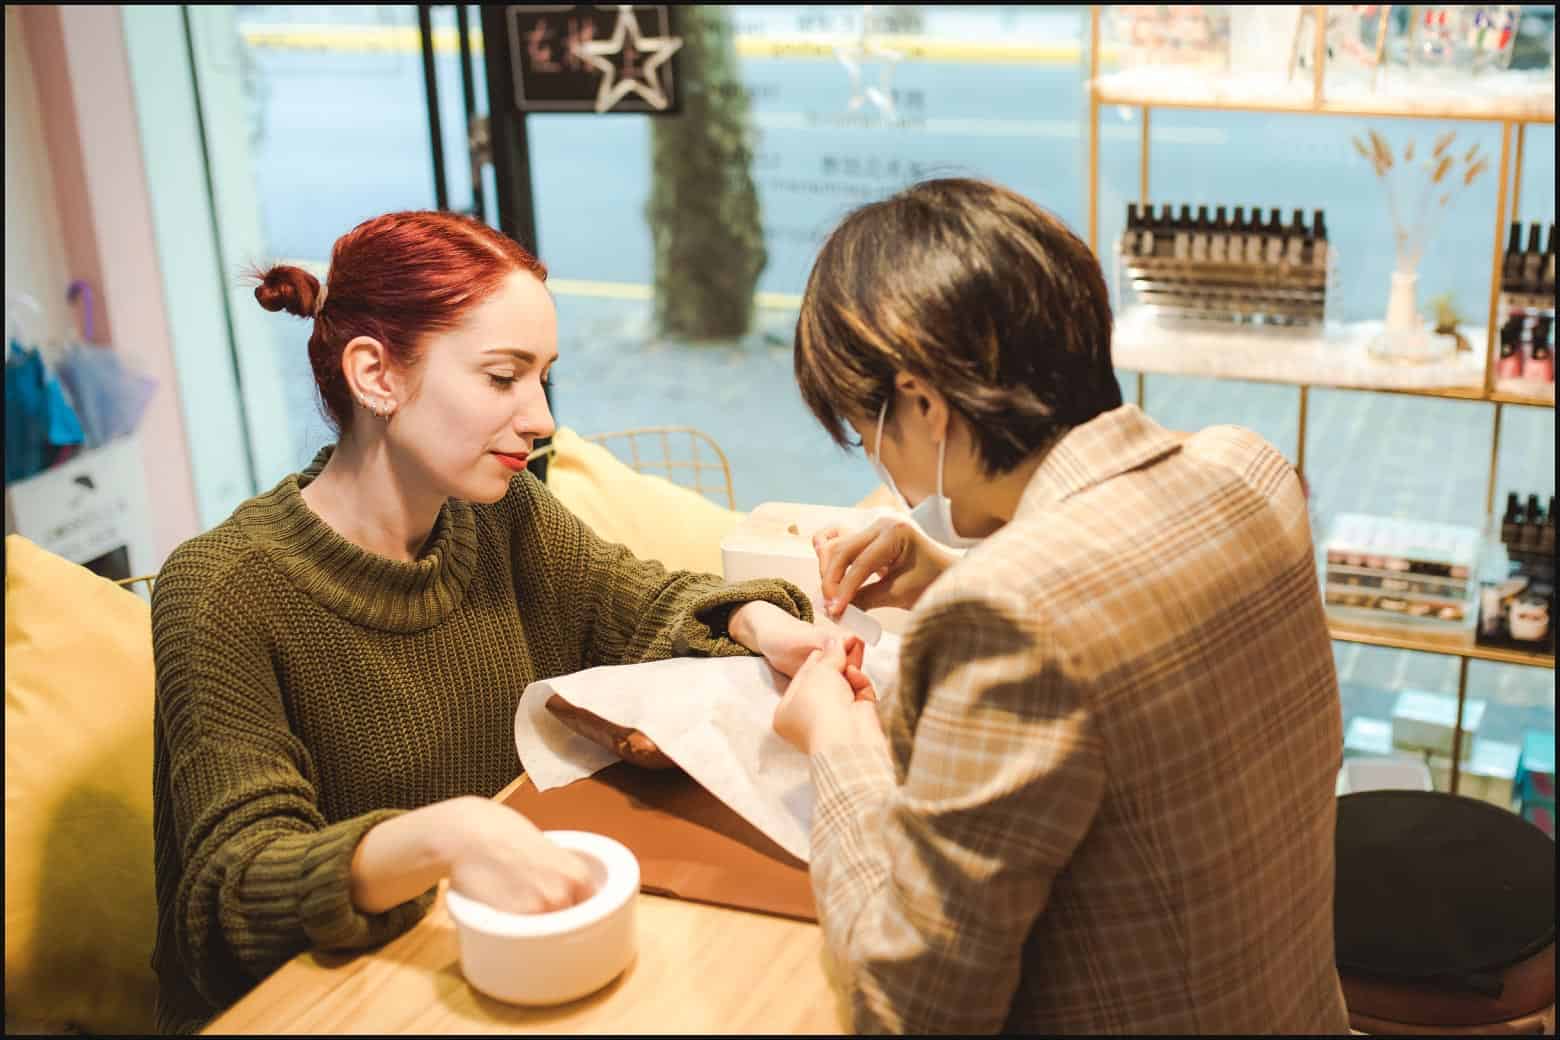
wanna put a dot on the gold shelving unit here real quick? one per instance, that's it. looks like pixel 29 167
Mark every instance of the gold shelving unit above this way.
pixel 1513 116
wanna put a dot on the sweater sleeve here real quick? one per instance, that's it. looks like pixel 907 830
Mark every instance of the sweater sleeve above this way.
pixel 629 610
pixel 259 873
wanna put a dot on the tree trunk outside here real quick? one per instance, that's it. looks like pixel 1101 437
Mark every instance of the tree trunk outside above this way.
pixel 703 211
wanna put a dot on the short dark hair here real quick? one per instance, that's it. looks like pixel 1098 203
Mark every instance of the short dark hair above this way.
pixel 973 288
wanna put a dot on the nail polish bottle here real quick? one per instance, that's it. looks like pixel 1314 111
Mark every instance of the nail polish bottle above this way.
pixel 1511 264
pixel 1546 281
pixel 1511 522
pixel 1129 239
pixel 1532 260
pixel 1546 537
pixel 1294 247
pixel 1541 359
pixel 1218 243
pixel 1252 239
pixel 1532 526
pixel 1200 232
pixel 1319 228
pixel 1183 234
pixel 1273 238
pixel 1164 232
pixel 1509 366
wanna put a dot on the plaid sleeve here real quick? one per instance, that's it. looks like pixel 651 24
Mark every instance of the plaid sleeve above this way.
pixel 927 888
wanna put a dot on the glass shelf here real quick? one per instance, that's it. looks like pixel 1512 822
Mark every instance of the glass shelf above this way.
pixel 1350 634
pixel 1332 357
pixel 1154 88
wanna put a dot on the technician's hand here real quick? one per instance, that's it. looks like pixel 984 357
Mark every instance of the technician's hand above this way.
pixel 829 701
pixel 905 561
pixel 786 641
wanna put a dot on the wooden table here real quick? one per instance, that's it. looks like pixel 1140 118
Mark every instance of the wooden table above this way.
pixel 700 969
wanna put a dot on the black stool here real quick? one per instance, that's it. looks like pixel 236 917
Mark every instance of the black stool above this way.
pixel 1444 916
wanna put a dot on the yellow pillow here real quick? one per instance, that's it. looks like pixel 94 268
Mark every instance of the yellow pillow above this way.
pixel 655 518
pixel 80 902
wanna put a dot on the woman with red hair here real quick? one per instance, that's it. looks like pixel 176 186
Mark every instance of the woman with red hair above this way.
pixel 340 661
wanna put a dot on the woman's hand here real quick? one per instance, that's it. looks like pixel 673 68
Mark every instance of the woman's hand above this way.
pixel 786 641
pixel 487 850
pixel 503 860
pixel 905 561
pixel 829 701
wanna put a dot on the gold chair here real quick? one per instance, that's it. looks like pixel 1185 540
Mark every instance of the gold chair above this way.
pixel 683 455
pixel 131 583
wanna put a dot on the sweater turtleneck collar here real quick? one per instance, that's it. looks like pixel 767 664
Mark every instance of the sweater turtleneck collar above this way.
pixel 359 585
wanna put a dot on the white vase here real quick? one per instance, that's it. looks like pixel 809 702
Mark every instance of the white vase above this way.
pixel 1404 338
pixel 1402 315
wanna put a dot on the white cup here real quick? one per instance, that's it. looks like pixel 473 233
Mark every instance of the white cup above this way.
pixel 556 957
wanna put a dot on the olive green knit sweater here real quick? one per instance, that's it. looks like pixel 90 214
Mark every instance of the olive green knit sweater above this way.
pixel 308 689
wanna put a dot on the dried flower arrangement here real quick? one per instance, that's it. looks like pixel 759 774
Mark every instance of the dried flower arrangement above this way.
pixel 1448 318
pixel 1442 181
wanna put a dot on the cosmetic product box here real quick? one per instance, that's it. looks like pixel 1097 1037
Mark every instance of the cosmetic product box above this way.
pixel 1542 817
pixel 1536 770
pixel 1535 781
pixel 1367 737
pixel 1488 773
pixel 1423 721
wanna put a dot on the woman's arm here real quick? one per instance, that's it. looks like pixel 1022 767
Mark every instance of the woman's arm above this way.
pixel 261 874
pixel 625 610
pixel 929 877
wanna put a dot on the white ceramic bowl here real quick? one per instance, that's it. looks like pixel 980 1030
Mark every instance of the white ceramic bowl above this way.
pixel 553 958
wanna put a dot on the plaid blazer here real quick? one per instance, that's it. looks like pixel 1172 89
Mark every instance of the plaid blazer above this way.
pixel 1106 803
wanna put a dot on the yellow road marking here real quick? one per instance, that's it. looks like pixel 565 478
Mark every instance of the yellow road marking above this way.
pixel 405 39
pixel 597 289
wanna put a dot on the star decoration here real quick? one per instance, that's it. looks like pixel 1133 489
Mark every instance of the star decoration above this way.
pixel 614 87
pixel 851 54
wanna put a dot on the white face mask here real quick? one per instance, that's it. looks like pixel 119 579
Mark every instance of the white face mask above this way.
pixel 934 514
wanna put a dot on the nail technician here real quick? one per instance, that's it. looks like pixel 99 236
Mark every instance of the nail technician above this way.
pixel 1099 797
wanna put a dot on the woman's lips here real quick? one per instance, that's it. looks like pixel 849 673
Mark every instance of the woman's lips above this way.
pixel 514 462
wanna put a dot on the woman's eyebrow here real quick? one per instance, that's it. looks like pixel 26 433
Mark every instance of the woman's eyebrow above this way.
pixel 515 352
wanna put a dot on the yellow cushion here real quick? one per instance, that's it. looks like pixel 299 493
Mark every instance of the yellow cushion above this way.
pixel 80 904
pixel 655 518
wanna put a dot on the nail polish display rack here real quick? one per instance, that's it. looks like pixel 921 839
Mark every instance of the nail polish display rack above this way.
pixel 1524 360
pixel 1217 268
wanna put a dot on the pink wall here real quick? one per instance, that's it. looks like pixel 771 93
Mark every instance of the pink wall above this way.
pixel 90 126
